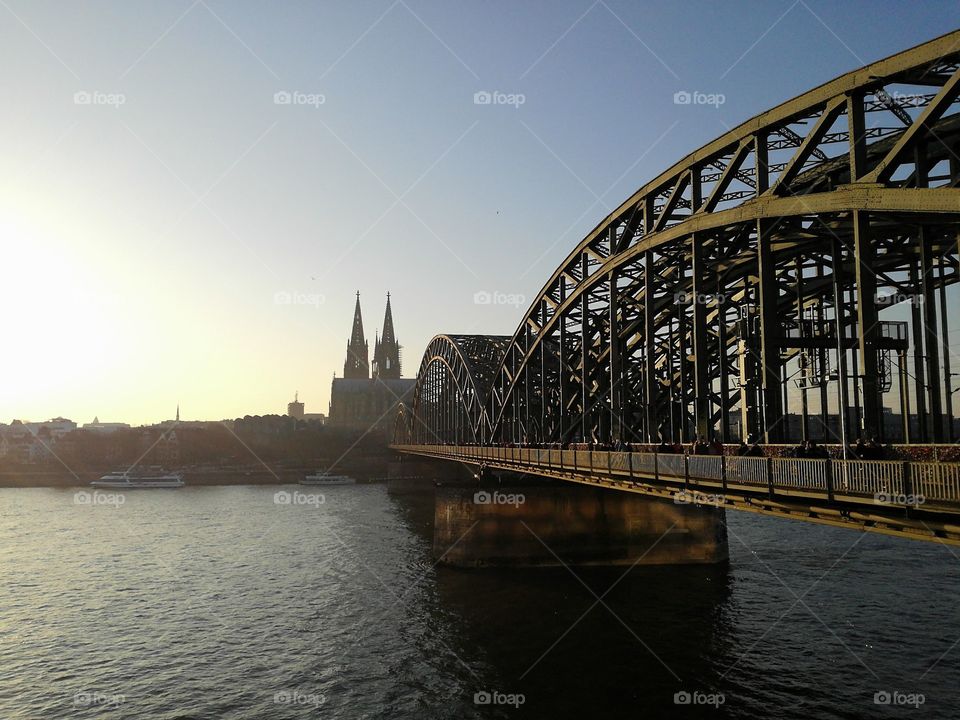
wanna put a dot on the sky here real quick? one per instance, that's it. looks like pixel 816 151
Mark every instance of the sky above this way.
pixel 195 190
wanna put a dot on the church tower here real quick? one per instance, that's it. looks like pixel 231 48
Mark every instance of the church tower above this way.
pixel 386 352
pixel 357 365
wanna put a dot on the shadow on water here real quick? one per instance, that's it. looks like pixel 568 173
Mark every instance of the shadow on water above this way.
pixel 542 633
pixel 546 636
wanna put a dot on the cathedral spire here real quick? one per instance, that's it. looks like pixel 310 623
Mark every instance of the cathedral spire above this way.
pixel 357 363
pixel 387 336
pixel 386 357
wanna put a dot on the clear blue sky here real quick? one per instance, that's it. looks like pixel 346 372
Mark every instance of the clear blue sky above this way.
pixel 145 243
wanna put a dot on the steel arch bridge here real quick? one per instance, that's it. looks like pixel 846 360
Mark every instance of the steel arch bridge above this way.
pixel 770 258
pixel 452 384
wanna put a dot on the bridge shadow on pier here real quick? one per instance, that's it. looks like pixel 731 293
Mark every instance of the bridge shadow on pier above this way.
pixel 541 632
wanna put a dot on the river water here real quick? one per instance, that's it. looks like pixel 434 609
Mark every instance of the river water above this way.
pixel 227 602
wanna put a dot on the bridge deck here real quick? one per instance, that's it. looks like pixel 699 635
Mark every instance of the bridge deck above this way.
pixel 920 500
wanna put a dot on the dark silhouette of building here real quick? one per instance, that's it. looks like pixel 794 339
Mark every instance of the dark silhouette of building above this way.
pixel 357 366
pixel 359 401
pixel 386 350
pixel 295 408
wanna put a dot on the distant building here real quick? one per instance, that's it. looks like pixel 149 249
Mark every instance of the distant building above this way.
pixel 295 408
pixel 359 401
pixel 55 428
pixel 102 427
pixel 316 417
pixel 166 450
pixel 33 442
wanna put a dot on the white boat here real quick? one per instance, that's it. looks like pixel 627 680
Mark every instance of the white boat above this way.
pixel 323 477
pixel 140 478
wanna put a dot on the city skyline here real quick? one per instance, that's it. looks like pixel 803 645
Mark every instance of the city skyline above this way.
pixel 391 361
pixel 203 188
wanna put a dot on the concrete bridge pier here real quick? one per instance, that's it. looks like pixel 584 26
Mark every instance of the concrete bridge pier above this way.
pixel 531 523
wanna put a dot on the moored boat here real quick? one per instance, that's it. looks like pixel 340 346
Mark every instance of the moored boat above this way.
pixel 142 478
pixel 324 477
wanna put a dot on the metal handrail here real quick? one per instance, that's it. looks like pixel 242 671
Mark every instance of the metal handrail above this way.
pixel 898 482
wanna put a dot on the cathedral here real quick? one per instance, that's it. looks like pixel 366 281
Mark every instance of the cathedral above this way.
pixel 368 394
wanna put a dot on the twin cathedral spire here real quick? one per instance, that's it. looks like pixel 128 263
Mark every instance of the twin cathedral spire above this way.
pixel 386 350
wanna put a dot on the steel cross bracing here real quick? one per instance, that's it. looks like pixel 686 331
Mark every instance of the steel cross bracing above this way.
pixel 765 261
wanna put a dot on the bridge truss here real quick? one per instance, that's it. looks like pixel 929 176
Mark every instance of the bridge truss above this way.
pixel 798 263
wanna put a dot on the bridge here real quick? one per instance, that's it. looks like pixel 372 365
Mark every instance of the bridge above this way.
pixel 786 282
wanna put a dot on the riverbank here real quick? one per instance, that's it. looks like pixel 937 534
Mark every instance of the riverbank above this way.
pixel 32 478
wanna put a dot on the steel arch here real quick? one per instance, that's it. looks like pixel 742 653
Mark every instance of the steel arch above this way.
pixel 778 201
pixel 771 250
pixel 451 391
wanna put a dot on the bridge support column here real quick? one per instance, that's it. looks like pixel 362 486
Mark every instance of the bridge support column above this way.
pixel 872 421
pixel 650 385
pixel 616 364
pixel 547 524
pixel 931 341
pixel 703 415
pixel 768 295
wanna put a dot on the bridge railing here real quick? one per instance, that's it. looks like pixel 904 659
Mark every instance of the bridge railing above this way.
pixel 868 477
pixel 705 467
pixel 619 462
pixel 672 465
pixel 935 481
pixel 801 473
pixel 747 470
pixel 643 463
pixel 887 482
